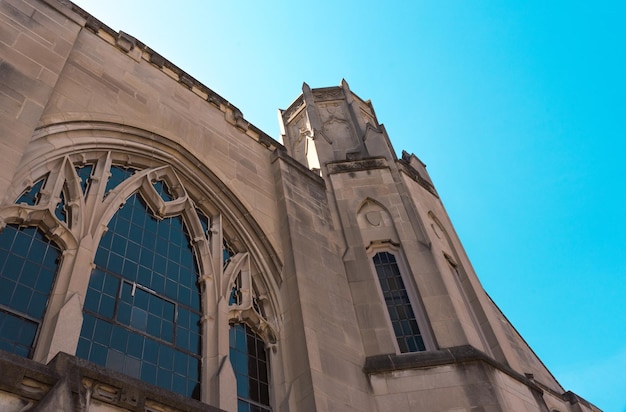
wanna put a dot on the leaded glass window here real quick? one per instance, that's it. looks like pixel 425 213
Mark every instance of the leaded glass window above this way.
pixel 61 211
pixel 398 304
pixel 28 266
pixel 31 195
pixel 84 173
pixel 118 175
pixel 250 364
pixel 142 309
pixel 163 190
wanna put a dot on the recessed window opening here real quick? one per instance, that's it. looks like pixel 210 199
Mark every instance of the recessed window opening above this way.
pixel 399 308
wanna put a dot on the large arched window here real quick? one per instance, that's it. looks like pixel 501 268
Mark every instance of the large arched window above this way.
pixel 142 309
pixel 122 251
pixel 28 266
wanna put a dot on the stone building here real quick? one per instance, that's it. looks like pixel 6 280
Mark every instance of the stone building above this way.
pixel 158 252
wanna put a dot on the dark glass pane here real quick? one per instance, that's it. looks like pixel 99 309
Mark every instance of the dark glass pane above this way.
pixel 179 384
pixel 151 351
pixel 21 298
pixel 98 354
pixel 164 378
pixel 84 173
pixel 21 244
pixel 243 386
pixel 249 361
pixel 89 323
pixel 17 335
pixel 135 345
pixel 154 326
pixel 118 175
pixel 102 333
pixel 148 373
pixel 138 318
pixel 180 363
pixel 166 357
pixel 398 303
pixel 161 188
pixel 44 280
pixel 6 291
pixel 243 406
pixel 37 305
pixel 84 346
pixel 61 211
pixel 119 338
pixel 31 196
pixel 107 306
pixel 123 313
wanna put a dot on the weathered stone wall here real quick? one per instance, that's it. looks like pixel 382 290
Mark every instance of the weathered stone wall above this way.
pixel 69 85
pixel 36 39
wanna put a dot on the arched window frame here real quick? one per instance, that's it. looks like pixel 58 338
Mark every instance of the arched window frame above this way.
pixel 393 248
pixel 138 151
pixel 247 307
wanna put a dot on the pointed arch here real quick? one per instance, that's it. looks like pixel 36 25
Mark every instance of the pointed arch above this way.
pixel 100 168
pixel 375 222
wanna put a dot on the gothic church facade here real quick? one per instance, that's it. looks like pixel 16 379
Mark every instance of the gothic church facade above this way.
pixel 160 253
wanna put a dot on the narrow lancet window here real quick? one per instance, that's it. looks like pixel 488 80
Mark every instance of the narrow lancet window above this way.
pixel 398 303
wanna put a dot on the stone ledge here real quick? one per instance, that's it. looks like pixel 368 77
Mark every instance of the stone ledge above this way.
pixel 412 172
pixel 281 153
pixel 419 360
pixel 379 364
pixel 346 166
pixel 137 50
pixel 68 380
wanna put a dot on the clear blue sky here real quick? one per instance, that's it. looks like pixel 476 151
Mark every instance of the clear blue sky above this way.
pixel 517 108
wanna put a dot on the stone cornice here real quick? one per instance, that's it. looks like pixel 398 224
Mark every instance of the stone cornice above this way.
pixel 70 381
pixel 410 171
pixel 138 51
pixel 346 166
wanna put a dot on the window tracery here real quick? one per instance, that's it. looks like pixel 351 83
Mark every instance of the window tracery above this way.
pixel 405 315
pixel 250 335
pixel 82 199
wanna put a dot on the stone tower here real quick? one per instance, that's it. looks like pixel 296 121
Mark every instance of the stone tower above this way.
pixel 431 337
pixel 158 252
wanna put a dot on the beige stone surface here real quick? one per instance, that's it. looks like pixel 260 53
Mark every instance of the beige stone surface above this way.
pixel 74 92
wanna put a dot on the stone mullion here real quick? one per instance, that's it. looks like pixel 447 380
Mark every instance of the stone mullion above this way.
pixel 209 288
